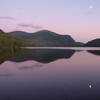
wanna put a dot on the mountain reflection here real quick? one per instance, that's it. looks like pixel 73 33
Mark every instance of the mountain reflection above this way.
pixel 44 55
pixel 39 55
pixel 7 54
pixel 95 52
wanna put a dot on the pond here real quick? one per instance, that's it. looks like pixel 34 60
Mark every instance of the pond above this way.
pixel 51 74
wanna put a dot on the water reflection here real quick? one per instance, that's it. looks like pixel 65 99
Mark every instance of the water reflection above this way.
pixel 31 76
pixel 6 75
pixel 8 54
pixel 26 60
pixel 30 67
pixel 45 56
pixel 39 55
pixel 95 52
pixel 9 68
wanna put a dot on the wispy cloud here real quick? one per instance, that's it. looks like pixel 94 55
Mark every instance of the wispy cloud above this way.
pixel 31 26
pixel 7 17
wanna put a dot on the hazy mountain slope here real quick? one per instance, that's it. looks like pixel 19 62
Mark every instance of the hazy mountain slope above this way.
pixel 79 44
pixel 20 34
pixel 93 43
pixel 46 38
pixel 7 41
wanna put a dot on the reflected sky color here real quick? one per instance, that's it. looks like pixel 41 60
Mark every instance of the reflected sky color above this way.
pixel 79 18
pixel 74 78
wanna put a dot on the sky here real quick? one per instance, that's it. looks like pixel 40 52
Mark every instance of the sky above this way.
pixel 78 18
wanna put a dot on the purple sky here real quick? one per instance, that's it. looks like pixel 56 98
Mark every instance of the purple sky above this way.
pixel 79 18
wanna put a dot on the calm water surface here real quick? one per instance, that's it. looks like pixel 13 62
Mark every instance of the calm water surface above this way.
pixel 51 75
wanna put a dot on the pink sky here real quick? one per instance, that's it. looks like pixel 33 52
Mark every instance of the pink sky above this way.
pixel 80 19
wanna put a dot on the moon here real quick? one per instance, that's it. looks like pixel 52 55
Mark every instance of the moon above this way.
pixel 91 7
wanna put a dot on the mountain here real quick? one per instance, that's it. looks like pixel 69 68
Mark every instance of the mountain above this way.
pixel 20 34
pixel 9 41
pixel 46 38
pixel 93 43
pixel 80 44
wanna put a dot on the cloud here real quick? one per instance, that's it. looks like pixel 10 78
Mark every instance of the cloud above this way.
pixel 30 26
pixel 7 17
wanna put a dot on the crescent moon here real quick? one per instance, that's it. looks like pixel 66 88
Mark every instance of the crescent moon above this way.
pixel 91 7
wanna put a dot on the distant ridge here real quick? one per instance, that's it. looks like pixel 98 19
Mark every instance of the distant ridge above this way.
pixel 46 38
pixel 93 43
pixel 9 41
pixel 19 34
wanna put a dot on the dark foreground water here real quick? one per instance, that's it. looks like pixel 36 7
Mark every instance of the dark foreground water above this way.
pixel 51 74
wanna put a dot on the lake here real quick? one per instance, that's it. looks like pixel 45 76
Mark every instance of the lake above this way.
pixel 51 74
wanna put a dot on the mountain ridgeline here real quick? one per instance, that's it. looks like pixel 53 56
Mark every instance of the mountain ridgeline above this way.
pixel 46 38
pixel 43 38
pixel 93 43
pixel 7 41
